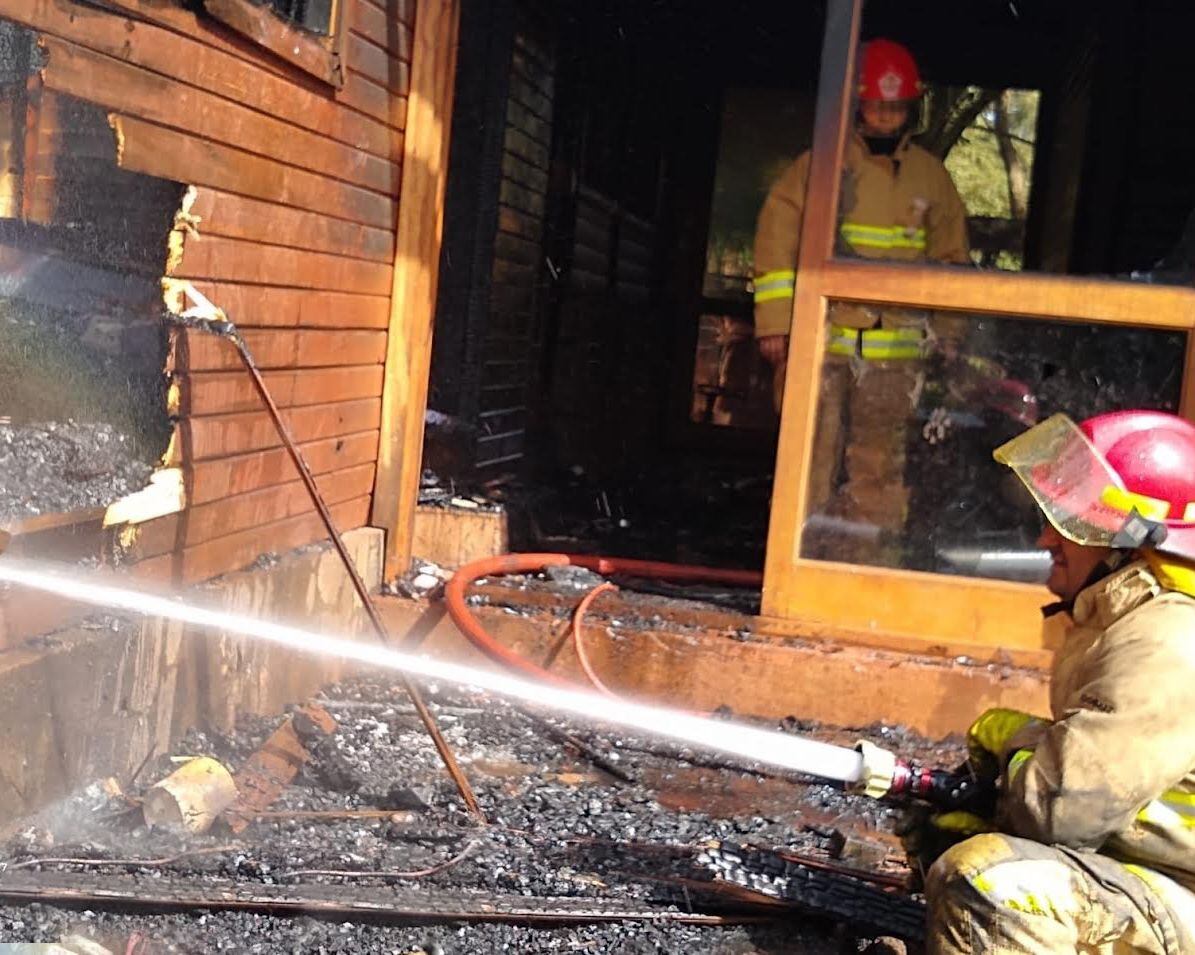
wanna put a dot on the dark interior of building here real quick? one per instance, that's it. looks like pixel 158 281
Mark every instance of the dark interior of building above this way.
pixel 604 167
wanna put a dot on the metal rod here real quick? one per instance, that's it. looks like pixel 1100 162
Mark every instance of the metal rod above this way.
pixel 371 610
pixel 208 317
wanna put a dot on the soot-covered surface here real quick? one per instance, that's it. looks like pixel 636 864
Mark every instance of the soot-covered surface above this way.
pixel 557 829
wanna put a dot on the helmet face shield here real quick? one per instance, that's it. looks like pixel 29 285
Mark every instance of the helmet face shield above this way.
pixel 1077 490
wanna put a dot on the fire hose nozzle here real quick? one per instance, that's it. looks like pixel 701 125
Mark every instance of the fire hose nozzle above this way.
pixel 879 772
pixel 884 776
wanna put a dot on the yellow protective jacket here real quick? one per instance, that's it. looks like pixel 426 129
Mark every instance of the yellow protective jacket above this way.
pixel 1115 772
pixel 903 207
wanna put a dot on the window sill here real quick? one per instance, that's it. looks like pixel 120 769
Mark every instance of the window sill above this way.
pixel 312 54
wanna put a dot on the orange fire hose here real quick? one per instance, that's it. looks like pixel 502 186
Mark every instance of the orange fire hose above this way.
pixel 470 626
pixel 579 640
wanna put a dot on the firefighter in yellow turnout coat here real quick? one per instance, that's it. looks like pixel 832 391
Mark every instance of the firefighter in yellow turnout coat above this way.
pixel 898 203
pixel 1096 844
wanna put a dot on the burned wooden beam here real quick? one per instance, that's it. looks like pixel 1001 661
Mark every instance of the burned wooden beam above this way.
pixel 823 890
pixel 372 903
pixel 270 769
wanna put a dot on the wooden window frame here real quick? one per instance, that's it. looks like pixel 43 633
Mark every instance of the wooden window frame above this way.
pixel 318 55
pixel 889 605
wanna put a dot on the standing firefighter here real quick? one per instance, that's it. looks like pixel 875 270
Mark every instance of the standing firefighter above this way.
pixel 1096 815
pixel 898 203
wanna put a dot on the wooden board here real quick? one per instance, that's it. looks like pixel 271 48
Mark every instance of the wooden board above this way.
pixel 372 99
pixel 237 260
pixel 243 473
pixel 333 902
pixel 131 90
pixel 317 349
pixel 259 306
pixel 171 154
pixel 377 64
pixel 225 554
pixel 221 518
pixel 193 351
pixel 452 537
pixel 1024 294
pixel 933 607
pixel 417 260
pixel 389 29
pixel 281 348
pixel 272 766
pixel 766 677
pixel 239 217
pixel 244 511
pixel 224 435
pixel 223 392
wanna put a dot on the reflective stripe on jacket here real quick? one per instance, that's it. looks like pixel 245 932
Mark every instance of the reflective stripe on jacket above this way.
pixel 904 207
pixel 1116 770
pixel 880 344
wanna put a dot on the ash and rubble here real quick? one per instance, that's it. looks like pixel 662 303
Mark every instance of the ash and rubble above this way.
pixel 53 467
pixel 249 933
pixel 83 416
pixel 558 828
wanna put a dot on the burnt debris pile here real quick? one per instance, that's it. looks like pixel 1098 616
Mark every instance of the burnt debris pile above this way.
pixel 363 844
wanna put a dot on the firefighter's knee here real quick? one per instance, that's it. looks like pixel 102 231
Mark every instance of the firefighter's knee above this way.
pixel 956 868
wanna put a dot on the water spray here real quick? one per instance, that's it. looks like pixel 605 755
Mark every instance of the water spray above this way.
pixel 747 742
pixel 866 769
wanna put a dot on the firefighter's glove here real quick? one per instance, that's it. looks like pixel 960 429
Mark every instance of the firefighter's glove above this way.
pixel 926 834
pixel 937 429
pixel 990 738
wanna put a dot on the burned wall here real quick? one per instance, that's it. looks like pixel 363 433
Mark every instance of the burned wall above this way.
pixel 492 270
pixel 82 343
pixel 287 224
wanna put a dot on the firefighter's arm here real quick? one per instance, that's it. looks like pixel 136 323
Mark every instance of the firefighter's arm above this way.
pixel 946 236
pixel 777 242
pixel 1128 734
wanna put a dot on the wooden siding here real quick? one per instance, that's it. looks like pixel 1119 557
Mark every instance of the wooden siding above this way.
pixel 606 358
pixel 288 224
pixel 508 353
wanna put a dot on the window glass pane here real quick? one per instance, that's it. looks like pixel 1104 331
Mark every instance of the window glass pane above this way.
pixel 911 409
pixel 991 164
pixel 313 15
pixel 1067 109
pixel 762 132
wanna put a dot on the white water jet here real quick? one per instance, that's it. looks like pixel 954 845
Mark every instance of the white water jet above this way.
pixel 734 739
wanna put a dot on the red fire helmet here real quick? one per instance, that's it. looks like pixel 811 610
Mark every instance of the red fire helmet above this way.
pixel 888 72
pixel 1096 481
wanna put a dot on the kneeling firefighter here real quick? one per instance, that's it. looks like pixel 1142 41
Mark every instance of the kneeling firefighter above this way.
pixel 1091 846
